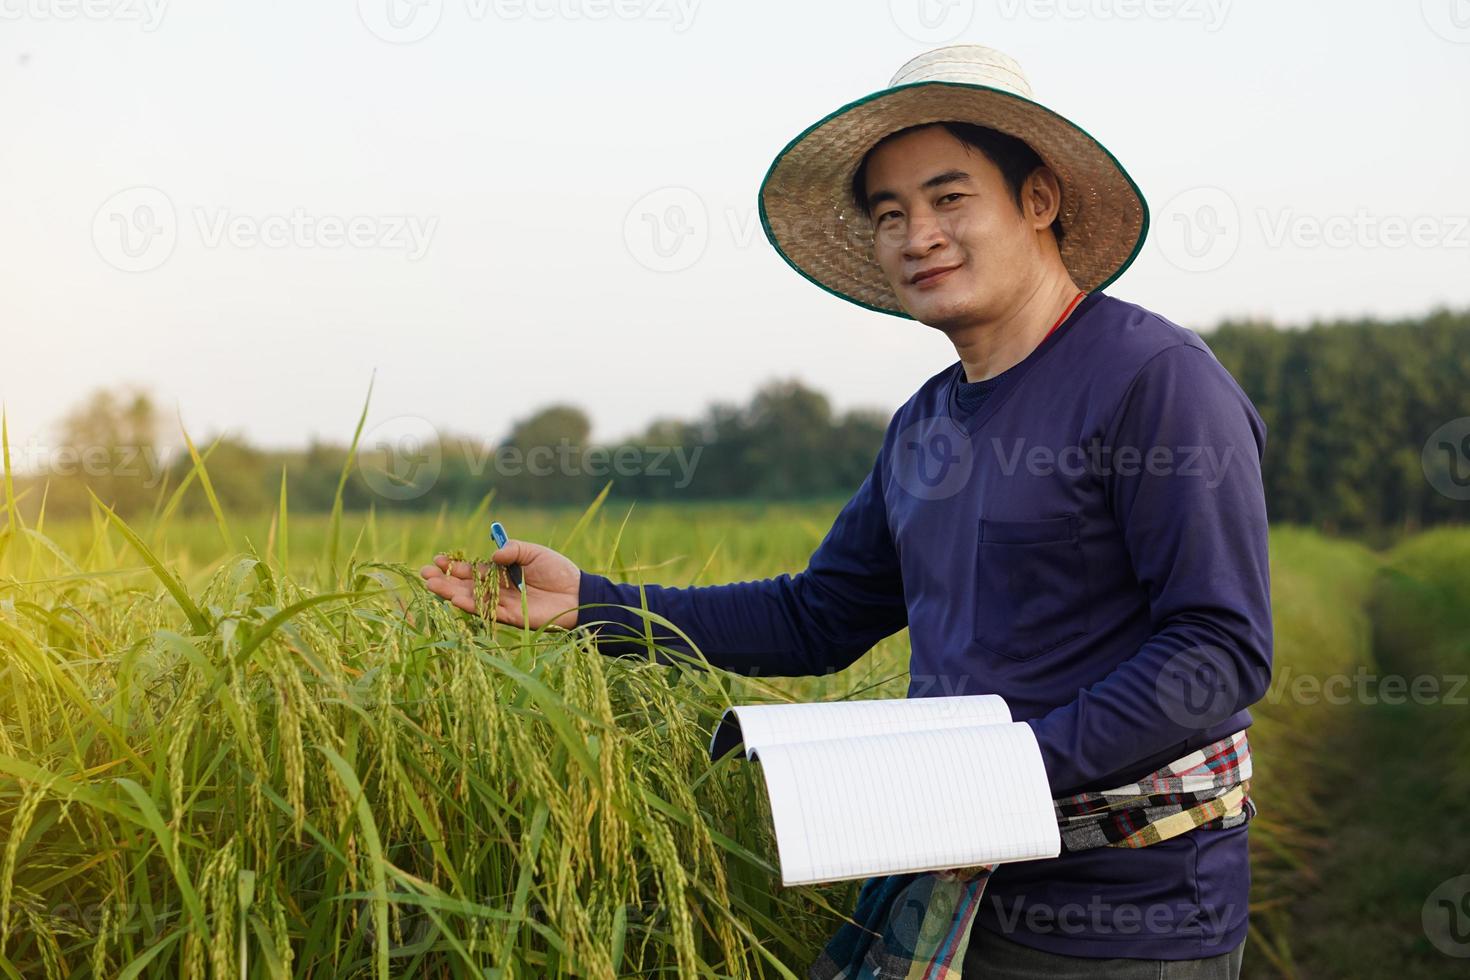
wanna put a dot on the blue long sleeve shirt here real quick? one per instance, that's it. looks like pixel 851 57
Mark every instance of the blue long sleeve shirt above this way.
pixel 1085 535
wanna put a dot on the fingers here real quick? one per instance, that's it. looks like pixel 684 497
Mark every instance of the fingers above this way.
pixel 453 581
pixel 514 553
pixel 461 569
pixel 440 586
pixel 508 610
pixel 457 569
pixel 454 590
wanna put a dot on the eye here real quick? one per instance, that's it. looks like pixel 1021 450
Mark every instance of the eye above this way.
pixel 886 214
pixel 950 195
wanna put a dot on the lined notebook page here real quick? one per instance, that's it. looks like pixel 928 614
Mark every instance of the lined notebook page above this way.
pixel 763 725
pixel 908 801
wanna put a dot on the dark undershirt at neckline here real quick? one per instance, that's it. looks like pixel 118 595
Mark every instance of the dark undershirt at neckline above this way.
pixel 970 395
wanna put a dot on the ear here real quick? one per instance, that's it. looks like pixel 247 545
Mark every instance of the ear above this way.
pixel 1041 198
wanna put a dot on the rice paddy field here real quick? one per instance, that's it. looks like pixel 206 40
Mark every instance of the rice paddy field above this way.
pixel 256 746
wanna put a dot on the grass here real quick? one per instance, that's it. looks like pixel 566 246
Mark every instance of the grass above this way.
pixel 279 761
pixel 1319 592
pixel 258 747
pixel 1402 785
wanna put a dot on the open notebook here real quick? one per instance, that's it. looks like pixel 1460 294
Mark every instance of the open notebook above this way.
pixel 879 787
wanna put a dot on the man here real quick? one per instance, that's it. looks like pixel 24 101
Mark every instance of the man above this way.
pixel 1071 516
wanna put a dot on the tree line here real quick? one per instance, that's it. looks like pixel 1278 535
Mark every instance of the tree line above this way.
pixel 1368 428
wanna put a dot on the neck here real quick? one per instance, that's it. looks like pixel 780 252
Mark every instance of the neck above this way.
pixel 989 347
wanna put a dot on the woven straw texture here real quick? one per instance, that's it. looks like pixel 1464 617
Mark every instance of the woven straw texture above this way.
pixel 809 217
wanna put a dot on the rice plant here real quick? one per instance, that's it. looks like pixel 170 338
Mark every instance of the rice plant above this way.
pixel 260 776
pixel 257 746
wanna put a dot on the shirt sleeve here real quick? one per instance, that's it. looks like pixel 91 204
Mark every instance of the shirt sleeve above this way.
pixel 1189 501
pixel 822 619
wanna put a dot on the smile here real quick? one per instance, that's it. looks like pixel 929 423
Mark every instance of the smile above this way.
pixel 930 280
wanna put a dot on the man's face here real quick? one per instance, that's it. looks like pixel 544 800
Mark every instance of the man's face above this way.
pixel 964 218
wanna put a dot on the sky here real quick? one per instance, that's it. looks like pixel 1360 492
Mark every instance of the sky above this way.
pixel 487 206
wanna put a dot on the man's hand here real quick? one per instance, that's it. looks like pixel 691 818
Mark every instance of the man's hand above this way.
pixel 552 583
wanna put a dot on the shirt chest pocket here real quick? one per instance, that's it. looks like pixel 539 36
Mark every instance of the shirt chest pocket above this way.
pixel 1031 586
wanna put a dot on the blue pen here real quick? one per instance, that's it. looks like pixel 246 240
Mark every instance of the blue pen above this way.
pixel 514 571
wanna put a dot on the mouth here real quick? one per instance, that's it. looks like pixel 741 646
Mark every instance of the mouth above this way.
pixel 930 276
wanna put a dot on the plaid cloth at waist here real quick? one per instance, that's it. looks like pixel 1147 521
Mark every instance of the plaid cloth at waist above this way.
pixel 917 926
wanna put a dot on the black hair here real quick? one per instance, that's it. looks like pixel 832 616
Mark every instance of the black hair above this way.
pixel 1013 157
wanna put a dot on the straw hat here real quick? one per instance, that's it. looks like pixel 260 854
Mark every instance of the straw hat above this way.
pixel 808 214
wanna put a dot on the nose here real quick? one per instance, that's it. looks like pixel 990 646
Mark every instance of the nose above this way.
pixel 923 234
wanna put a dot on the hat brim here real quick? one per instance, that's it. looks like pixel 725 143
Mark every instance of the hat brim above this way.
pixel 809 217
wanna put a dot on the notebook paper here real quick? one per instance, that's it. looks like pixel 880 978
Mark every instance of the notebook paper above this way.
pixel 773 724
pixel 945 793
